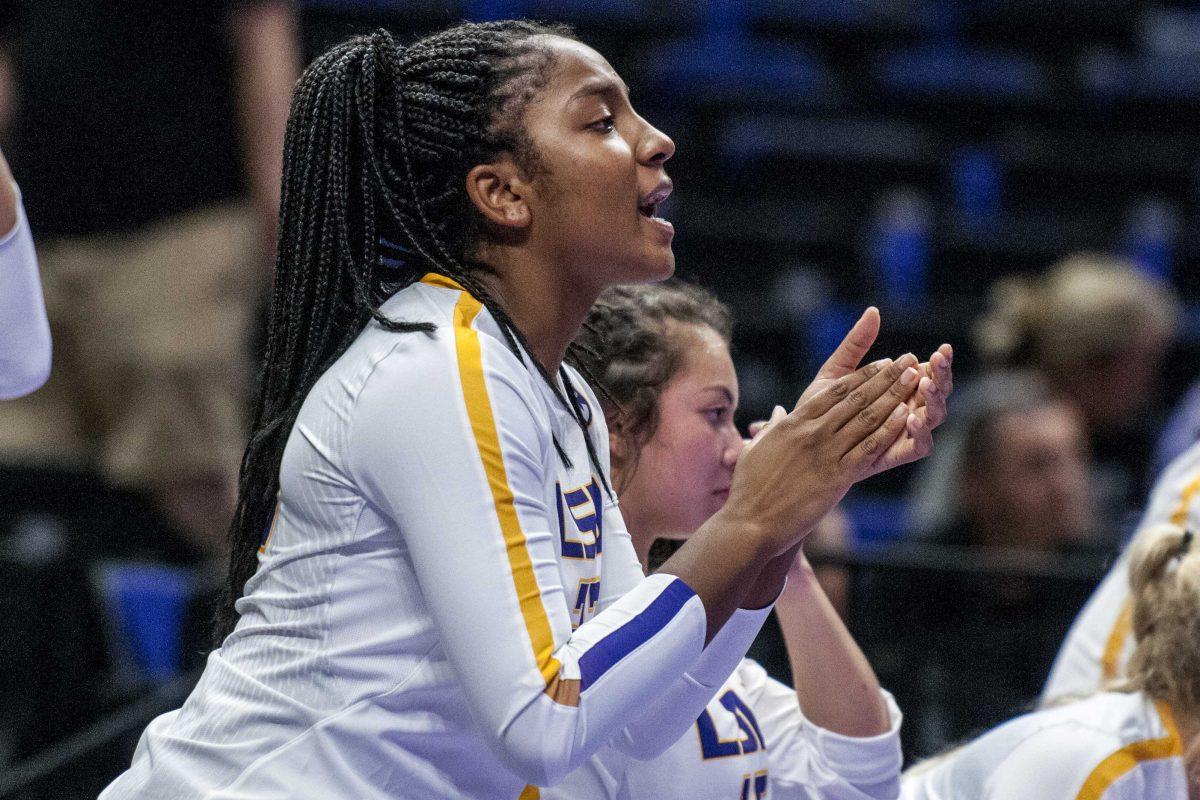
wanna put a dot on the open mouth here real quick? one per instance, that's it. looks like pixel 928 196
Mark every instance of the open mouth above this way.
pixel 648 204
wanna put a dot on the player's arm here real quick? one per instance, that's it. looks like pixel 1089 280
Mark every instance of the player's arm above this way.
pixel 833 680
pixel 807 760
pixel 24 330
pixel 676 706
pixel 459 458
pixel 265 45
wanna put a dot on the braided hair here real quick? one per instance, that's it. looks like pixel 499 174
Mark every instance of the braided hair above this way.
pixel 379 141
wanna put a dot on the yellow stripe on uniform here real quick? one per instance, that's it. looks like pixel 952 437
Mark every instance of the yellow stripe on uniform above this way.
pixel 1179 515
pixel 1110 769
pixel 483 425
pixel 1115 644
pixel 530 793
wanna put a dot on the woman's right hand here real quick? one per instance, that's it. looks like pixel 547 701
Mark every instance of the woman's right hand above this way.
pixel 806 461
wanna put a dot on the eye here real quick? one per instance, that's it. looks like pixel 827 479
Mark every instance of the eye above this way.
pixel 717 414
pixel 606 124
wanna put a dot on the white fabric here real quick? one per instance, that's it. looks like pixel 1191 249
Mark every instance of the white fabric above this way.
pixel 383 649
pixel 1078 668
pixel 1051 754
pixel 24 331
pixel 721 756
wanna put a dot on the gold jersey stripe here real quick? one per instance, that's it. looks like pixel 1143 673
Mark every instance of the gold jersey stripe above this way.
pixel 530 793
pixel 1110 769
pixel 487 440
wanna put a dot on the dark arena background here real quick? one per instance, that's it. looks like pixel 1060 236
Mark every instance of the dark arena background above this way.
pixel 1017 177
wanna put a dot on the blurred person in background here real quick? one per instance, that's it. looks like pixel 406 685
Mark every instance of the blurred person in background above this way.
pixel 1138 740
pixel 1091 315
pixel 24 331
pixel 1010 486
pixel 149 140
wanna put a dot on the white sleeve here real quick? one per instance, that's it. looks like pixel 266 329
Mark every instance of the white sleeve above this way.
pixel 1054 764
pixel 460 458
pixel 807 761
pixel 24 331
pixel 676 707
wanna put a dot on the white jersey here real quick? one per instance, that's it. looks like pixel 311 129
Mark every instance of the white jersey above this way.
pixel 442 608
pixel 752 741
pixel 1098 646
pixel 1111 746
pixel 24 331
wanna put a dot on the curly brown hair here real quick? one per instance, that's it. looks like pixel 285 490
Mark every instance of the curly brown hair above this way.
pixel 628 345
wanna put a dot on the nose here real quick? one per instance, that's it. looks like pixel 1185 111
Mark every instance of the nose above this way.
pixel 733 448
pixel 655 148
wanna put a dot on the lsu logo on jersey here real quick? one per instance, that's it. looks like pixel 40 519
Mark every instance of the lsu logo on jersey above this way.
pixel 585 601
pixel 580 521
pixel 750 740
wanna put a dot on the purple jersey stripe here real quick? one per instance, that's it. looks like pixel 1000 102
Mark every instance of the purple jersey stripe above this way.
pixel 624 640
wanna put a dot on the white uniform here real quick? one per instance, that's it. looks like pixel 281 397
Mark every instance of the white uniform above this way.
pixel 442 609
pixel 24 331
pixel 1109 747
pixel 751 742
pixel 1100 642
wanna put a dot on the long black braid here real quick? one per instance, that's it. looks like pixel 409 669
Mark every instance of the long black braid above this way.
pixel 378 144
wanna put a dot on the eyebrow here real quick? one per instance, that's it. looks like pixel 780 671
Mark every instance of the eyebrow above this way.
pixel 600 86
pixel 723 390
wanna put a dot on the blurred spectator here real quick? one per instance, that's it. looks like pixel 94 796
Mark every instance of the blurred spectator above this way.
pixel 1097 330
pixel 149 137
pixel 962 651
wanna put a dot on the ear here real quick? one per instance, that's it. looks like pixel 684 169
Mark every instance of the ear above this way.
pixel 501 193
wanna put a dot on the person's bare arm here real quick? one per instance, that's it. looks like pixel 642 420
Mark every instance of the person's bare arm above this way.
pixel 266 54
pixel 837 688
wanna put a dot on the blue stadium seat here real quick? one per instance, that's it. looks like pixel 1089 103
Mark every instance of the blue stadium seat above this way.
pixel 976 186
pixel 876 519
pixel 1166 77
pixel 954 70
pixel 739 71
pixel 857 140
pixel 901 250
pixel 146 603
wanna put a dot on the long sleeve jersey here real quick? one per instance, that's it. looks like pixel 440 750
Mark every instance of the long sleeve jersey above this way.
pixel 24 331
pixel 751 741
pixel 1111 746
pixel 444 606
pixel 1100 642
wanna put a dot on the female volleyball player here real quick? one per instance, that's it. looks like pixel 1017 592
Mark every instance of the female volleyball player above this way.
pixel 24 331
pixel 424 493
pixel 1137 742
pixel 661 352
pixel 1098 648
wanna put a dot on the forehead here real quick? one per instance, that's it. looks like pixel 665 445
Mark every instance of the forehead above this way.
pixel 1051 424
pixel 706 358
pixel 575 64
